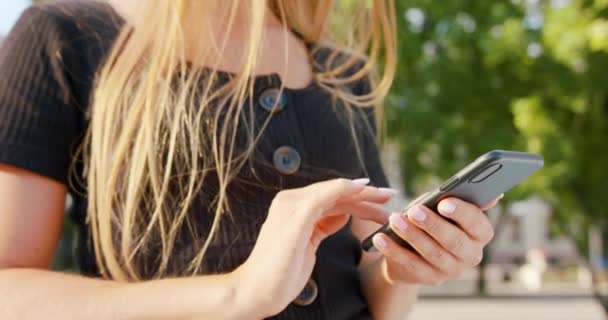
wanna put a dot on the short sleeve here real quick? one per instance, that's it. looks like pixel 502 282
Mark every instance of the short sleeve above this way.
pixel 38 123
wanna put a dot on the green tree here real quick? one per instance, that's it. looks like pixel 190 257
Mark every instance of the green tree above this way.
pixel 526 75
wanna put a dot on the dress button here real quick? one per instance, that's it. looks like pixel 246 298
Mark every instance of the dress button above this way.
pixel 308 294
pixel 273 100
pixel 286 160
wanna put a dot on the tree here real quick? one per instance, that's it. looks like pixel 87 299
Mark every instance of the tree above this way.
pixel 526 75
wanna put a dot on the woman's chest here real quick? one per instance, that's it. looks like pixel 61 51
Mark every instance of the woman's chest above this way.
pixel 303 136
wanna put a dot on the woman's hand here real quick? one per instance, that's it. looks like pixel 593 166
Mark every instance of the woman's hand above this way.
pixel 445 250
pixel 299 219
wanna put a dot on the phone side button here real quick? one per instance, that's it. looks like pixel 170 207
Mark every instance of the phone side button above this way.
pixel 449 184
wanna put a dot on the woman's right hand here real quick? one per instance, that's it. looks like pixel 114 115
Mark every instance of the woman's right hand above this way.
pixel 299 219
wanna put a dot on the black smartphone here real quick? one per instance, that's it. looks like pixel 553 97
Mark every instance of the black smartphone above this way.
pixel 478 183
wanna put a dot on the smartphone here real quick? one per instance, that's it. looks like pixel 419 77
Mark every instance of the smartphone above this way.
pixel 478 183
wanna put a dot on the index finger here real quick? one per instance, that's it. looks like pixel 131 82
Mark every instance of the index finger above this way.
pixel 371 194
pixel 321 196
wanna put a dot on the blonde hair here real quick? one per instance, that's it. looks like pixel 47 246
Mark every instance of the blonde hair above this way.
pixel 153 137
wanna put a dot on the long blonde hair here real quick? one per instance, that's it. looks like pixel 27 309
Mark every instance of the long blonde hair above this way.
pixel 153 140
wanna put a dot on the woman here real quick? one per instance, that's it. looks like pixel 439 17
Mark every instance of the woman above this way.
pixel 214 152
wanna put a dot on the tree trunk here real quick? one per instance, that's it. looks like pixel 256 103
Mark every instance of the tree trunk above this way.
pixel 597 291
pixel 482 289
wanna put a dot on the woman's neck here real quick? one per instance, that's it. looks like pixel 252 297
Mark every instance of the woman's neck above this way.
pixel 220 18
pixel 234 32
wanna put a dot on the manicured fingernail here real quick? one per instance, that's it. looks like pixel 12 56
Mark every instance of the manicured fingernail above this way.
pixel 362 181
pixel 417 213
pixel 446 207
pixel 397 220
pixel 388 191
pixel 379 241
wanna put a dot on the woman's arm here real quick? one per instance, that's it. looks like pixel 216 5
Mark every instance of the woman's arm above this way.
pixel 42 294
pixel 387 299
pixel 31 215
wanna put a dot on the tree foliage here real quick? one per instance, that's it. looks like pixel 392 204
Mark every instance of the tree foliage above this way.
pixel 525 75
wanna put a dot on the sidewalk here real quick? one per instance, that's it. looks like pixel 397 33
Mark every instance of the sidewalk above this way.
pixel 507 309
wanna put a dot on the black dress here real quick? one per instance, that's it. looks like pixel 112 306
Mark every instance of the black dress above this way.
pixel 47 67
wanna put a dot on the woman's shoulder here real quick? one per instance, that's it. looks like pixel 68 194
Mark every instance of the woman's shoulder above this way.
pixel 64 27
pixel 72 19
pixel 67 39
pixel 79 13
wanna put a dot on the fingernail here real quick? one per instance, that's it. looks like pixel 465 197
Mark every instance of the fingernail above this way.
pixel 379 241
pixel 361 182
pixel 446 207
pixel 397 220
pixel 388 191
pixel 502 195
pixel 417 213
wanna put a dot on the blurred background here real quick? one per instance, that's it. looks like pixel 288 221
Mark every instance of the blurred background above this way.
pixel 477 75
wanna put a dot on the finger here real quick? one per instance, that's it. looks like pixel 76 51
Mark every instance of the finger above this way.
pixel 326 227
pixel 469 217
pixel 372 194
pixel 492 203
pixel 324 195
pixel 363 210
pixel 446 234
pixel 408 266
pixel 335 218
pixel 312 201
pixel 426 246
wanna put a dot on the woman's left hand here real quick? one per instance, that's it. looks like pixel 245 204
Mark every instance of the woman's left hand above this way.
pixel 445 250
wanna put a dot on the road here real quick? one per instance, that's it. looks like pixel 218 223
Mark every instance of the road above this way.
pixel 507 309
